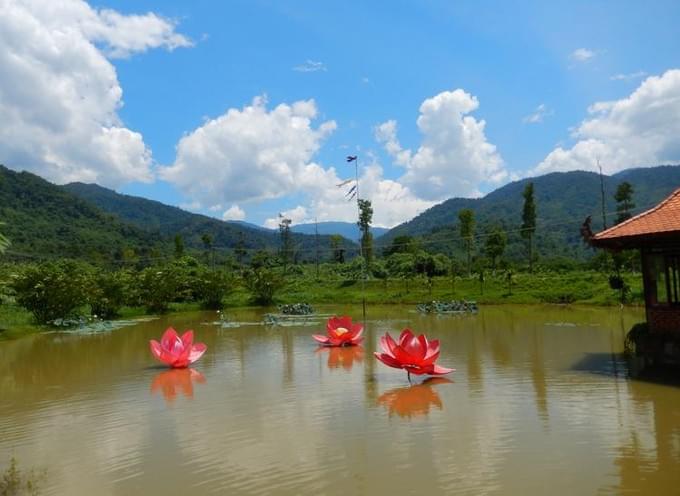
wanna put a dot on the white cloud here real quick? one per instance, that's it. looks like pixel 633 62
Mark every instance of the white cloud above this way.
pixel 454 158
pixel 234 213
pixel 59 95
pixel 193 206
pixel 629 76
pixel 310 66
pixel 639 130
pixel 537 116
pixel 582 55
pixel 249 154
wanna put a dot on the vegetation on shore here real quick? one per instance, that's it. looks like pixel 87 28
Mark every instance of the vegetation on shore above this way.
pixel 35 296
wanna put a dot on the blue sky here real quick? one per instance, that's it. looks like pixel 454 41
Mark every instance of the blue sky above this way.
pixel 366 64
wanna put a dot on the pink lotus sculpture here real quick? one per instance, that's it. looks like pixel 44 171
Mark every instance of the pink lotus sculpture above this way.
pixel 414 354
pixel 177 352
pixel 341 332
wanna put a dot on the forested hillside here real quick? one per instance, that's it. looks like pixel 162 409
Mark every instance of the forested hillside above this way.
pixel 44 221
pixel 563 199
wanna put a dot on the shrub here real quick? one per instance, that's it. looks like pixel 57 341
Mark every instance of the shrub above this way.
pixel 52 290
pixel 110 291
pixel 213 287
pixel 158 287
pixel 263 284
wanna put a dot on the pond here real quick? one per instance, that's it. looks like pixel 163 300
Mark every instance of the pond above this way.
pixel 540 402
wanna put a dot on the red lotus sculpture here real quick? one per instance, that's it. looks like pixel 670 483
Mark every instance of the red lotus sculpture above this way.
pixel 170 382
pixel 415 354
pixel 177 352
pixel 341 332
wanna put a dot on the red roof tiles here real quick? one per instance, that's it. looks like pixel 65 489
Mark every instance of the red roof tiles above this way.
pixel 662 219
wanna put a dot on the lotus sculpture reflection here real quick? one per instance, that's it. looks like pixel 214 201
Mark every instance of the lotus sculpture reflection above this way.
pixel 175 351
pixel 415 354
pixel 170 382
pixel 342 356
pixel 413 401
pixel 341 331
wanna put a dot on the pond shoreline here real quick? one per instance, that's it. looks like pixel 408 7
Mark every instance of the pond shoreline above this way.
pixel 25 327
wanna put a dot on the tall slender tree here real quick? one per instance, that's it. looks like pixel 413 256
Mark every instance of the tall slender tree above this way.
pixel 207 246
pixel 495 246
pixel 240 249
pixel 624 201
pixel 466 218
pixel 337 248
pixel 179 246
pixel 529 221
pixel 365 220
pixel 286 241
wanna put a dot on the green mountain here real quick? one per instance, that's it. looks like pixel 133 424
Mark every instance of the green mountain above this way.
pixel 563 199
pixel 166 221
pixel 44 221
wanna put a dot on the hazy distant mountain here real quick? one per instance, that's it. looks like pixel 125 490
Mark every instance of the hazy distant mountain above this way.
pixel 564 199
pixel 348 230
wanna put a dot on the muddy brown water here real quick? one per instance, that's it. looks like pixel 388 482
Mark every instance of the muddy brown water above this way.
pixel 541 402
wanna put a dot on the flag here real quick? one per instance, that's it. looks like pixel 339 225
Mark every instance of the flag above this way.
pixel 345 182
pixel 351 158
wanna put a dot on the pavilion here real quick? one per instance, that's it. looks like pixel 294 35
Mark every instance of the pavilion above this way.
pixel 656 233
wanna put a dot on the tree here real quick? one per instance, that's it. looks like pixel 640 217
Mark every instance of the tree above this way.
pixel 179 246
pixel 286 242
pixel 338 249
pixel 495 245
pixel 402 244
pixel 240 249
pixel 53 290
pixel 207 246
pixel 365 220
pixel 466 217
pixel 529 221
pixel 624 201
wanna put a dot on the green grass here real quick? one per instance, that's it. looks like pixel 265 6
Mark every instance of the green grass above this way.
pixel 574 287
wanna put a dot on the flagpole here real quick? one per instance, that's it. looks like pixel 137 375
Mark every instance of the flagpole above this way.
pixel 355 159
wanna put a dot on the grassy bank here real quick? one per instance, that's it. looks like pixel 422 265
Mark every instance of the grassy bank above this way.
pixel 584 287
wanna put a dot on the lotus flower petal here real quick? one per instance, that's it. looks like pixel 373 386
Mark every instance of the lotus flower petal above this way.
pixel 388 360
pixel 320 339
pixel 437 370
pixel 197 351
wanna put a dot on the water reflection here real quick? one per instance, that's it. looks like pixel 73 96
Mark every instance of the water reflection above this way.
pixel 413 401
pixel 171 382
pixel 342 356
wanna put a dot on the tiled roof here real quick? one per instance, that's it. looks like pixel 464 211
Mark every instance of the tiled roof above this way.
pixel 662 219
